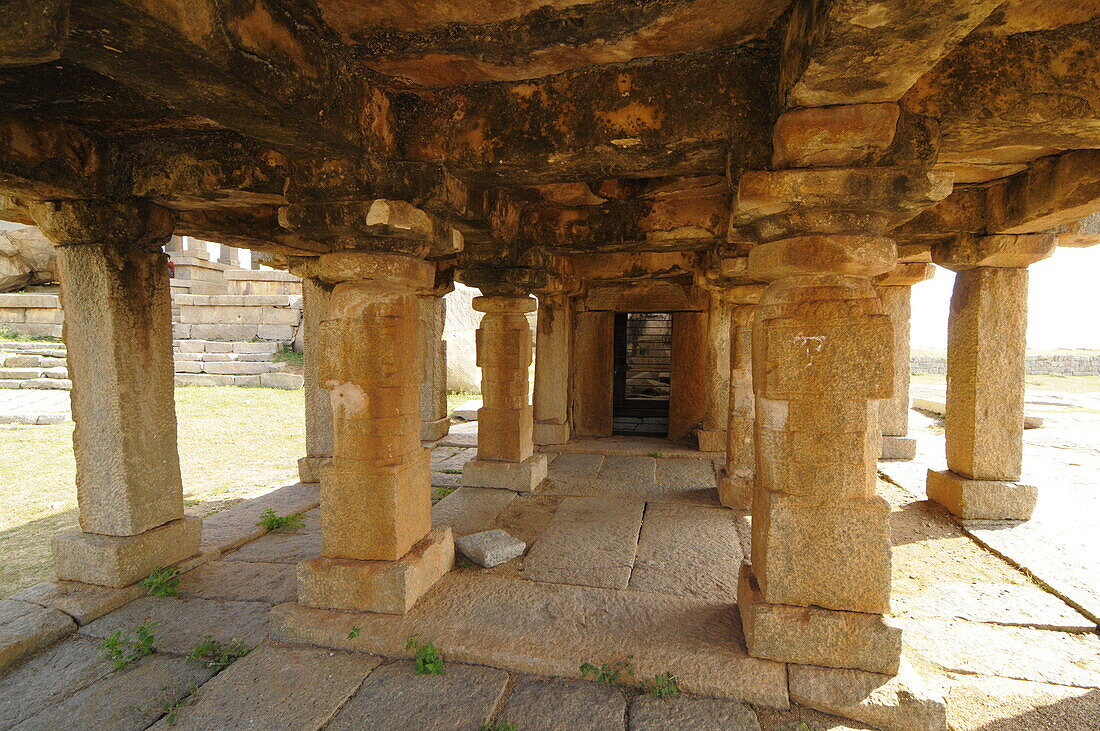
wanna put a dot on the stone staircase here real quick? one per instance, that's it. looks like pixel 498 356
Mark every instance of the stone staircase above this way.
pixel 34 365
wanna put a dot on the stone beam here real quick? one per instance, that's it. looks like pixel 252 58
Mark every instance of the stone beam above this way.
pixel 254 228
pixel 668 116
pixel 34 31
pixel 53 160
pixel 852 51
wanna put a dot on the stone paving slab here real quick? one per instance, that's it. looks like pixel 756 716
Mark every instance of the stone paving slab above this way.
pixel 232 528
pixel 277 688
pixel 550 629
pixel 470 509
pixel 288 545
pixel 697 714
pixel 1022 605
pixel 623 445
pixel 394 698
pixel 452 457
pixel 570 468
pixel 125 700
pixel 83 602
pixel 49 677
pixel 687 550
pixel 183 623
pixel 981 703
pixel 591 541
pixel 460 435
pixel 26 628
pixel 554 704
pixel 242 581
pixel 633 476
pixel 632 473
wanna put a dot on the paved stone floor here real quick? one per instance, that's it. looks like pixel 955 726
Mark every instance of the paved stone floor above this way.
pixel 34 406
pixel 630 560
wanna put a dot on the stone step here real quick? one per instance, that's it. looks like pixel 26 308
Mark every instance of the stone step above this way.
pixel 228 368
pixel 21 374
pixel 225 346
pixel 289 381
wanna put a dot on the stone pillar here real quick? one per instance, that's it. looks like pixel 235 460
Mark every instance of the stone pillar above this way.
pixel 378 551
pixel 711 437
pixel 432 314
pixel 194 247
pixel 228 255
pixel 987 328
pixel 895 290
pixel 505 449
pixel 735 480
pixel 118 333
pixel 315 304
pixel 553 361
pixel 174 245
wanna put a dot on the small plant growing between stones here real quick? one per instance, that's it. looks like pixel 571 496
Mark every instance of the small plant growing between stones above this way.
pixel 354 634
pixel 607 673
pixel 429 659
pixel 171 708
pixel 663 685
pixel 162 582
pixel 218 656
pixel 656 455
pixel 125 651
pixel 271 521
pixel 499 726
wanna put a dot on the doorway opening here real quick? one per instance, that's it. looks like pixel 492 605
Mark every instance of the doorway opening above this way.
pixel 643 373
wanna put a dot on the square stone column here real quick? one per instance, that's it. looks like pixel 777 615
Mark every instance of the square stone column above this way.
pixel 711 437
pixel 229 255
pixel 118 333
pixel 735 480
pixel 378 551
pixel 986 359
pixel 434 422
pixel 553 359
pixel 315 302
pixel 505 448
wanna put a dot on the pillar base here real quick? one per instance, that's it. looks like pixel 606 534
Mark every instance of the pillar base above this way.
pixel 119 561
pixel 815 636
pixel 433 431
pixel 735 491
pixel 309 468
pixel 711 441
pixel 898 448
pixel 981 499
pixel 387 587
pixel 522 476
pixel 545 433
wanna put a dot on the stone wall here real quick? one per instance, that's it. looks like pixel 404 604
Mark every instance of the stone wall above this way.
pixel 266 281
pixel 31 314
pixel 268 318
pixel 1037 365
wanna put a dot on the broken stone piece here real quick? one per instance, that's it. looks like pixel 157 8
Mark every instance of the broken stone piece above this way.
pixel 491 548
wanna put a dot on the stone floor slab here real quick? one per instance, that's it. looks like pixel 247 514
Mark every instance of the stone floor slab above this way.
pixel 553 704
pixel 688 550
pixel 394 698
pixel 629 472
pixel 277 688
pixel 242 581
pixel 26 628
pixel 470 509
pixel 284 546
pixel 229 529
pixel 83 602
pixel 550 629
pixel 460 435
pixel 181 624
pixel 979 703
pixel 1022 605
pixel 49 677
pixel 572 468
pixel 590 542
pixel 125 700
pixel 698 714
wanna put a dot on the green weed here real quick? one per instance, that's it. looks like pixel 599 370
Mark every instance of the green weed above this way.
pixel 354 634
pixel 607 673
pixel 429 659
pixel 662 686
pixel 125 651
pixel 271 521
pixel 214 654
pixel 162 582
pixel 499 726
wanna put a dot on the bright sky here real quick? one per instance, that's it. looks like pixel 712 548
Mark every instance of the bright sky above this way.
pixel 1063 303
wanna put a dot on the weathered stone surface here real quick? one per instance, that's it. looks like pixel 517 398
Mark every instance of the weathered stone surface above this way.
pixel 183 623
pixel 26 628
pixel 484 619
pixel 266 690
pixel 1018 252
pixel 394 697
pixel 282 546
pixel 837 135
pixel 288 381
pixel 470 509
pixel 119 561
pixel 590 542
pixel 560 705
pixel 896 703
pixel 128 699
pixel 703 714
pixel 490 548
pixel 578 469
pixel 977 702
pixel 981 499
pixel 898 448
pixel 523 476
pixel 48 678
pixel 1024 605
pixel 688 550
pixel 241 580
pixel 82 602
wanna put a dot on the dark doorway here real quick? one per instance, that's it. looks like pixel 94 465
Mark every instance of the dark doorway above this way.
pixel 643 357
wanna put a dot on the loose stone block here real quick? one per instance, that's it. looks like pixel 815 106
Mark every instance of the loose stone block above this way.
pixel 698 714
pixel 391 587
pixel 26 628
pixel 815 636
pixel 119 561
pixel 981 499
pixel 898 448
pixel 490 548
pixel 563 704
pixel 523 476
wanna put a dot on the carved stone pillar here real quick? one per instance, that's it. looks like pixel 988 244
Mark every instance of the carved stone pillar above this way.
pixel 553 365
pixel 315 303
pixel 118 333
pixel 432 313
pixel 986 359
pixel 505 448
pixel 711 437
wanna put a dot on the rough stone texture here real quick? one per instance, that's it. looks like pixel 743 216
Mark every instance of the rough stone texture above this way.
pixel 394 697
pixel 265 690
pixel 236 526
pixel 26 258
pixel 523 476
pixel 119 561
pixel 283 546
pixel 1024 605
pixel 688 550
pixel 590 542
pixel 315 301
pixel 894 703
pixel 241 580
pixel 470 509
pixel 736 477
pixel 716 369
pixel 484 619
pixel 699 714
pixel 431 314
pixel 836 135
pixel 460 324
pixel 553 356
pixel 894 411
pixel 49 677
pixel 561 705
pixel 128 699
pixel 26 628
pixel 377 586
pixel 981 499
pixel 183 623
pixel 490 548
pixel 687 400
pixel 82 602
pixel 898 448
pixel 976 702
pixel 505 419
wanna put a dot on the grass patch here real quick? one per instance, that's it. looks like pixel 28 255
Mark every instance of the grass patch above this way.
pixel 290 356
pixel 271 521
pixel 12 336
pixel 162 582
pixel 217 655
pixel 438 493
pixel 125 651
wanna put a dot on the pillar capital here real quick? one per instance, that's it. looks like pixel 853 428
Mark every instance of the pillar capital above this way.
pixel 1004 250
pixel 389 271
pixel 906 274
pixel 509 304
pixel 844 254
pixel 134 222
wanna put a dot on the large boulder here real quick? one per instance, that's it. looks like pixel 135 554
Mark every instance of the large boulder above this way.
pixel 461 324
pixel 27 258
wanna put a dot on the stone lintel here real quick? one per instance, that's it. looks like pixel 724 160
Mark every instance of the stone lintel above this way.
pixel 523 476
pixel 852 134
pixel 98 222
pixel 906 274
pixel 1003 251
pixel 898 448
pixel 386 270
pixel 981 499
pixel 851 254
pixel 119 561
pixel 815 636
pixel 388 587
pixel 517 304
